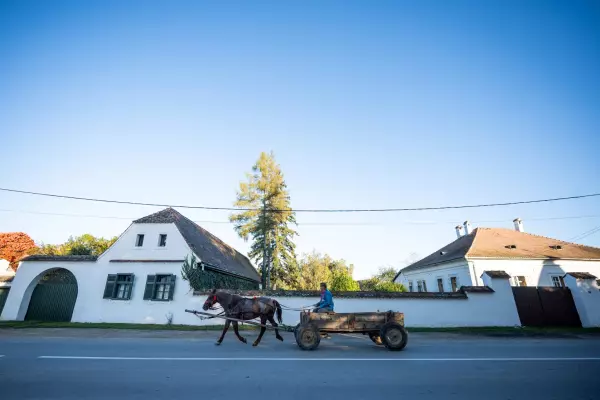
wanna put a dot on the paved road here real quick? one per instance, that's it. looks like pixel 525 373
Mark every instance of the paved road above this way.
pixel 86 364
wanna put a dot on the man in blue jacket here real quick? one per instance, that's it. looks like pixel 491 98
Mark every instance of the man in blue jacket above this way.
pixel 326 303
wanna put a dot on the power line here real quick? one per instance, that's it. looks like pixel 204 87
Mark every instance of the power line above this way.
pixel 326 223
pixel 585 234
pixel 305 210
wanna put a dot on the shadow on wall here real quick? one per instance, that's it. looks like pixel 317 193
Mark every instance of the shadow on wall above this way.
pixel 551 274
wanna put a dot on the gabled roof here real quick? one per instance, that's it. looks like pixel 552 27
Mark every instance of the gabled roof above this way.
pixel 500 243
pixel 208 247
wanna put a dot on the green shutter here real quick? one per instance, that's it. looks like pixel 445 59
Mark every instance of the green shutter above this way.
pixel 172 283
pixel 149 290
pixel 131 287
pixel 109 289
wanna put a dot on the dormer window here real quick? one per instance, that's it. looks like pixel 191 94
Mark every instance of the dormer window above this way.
pixel 162 240
pixel 511 246
pixel 139 242
pixel 556 247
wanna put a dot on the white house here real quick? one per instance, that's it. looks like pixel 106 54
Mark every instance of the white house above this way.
pixel 530 260
pixel 138 279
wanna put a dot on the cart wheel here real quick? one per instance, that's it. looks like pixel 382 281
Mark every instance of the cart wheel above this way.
pixel 376 338
pixel 394 336
pixel 307 337
pixel 296 331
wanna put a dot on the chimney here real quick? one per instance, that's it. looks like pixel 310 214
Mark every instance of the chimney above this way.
pixel 458 231
pixel 467 226
pixel 518 225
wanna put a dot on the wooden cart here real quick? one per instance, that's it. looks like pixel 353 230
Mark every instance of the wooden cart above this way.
pixel 384 328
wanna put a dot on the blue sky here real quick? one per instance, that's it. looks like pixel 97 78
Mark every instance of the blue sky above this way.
pixel 365 104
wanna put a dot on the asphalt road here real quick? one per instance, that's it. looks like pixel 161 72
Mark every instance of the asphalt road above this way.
pixel 87 364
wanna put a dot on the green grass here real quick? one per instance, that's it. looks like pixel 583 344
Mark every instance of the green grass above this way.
pixel 509 331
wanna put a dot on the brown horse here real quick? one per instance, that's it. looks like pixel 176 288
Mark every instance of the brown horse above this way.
pixel 245 309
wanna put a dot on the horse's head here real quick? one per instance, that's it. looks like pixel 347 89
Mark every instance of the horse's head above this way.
pixel 210 300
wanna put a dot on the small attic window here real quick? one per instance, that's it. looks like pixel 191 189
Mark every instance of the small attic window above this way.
pixel 556 247
pixel 511 246
pixel 442 253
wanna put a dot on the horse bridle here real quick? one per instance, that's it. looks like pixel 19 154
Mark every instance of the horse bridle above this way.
pixel 214 300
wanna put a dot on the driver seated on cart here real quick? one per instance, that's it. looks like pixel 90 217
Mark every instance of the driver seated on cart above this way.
pixel 326 303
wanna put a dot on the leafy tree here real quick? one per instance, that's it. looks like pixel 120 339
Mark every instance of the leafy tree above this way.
pixel 14 246
pixel 386 274
pixel 316 268
pixel 342 281
pixel 383 281
pixel 85 244
pixel 266 219
pixel 386 286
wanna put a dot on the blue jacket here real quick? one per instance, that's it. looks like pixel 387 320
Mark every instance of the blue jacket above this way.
pixel 326 300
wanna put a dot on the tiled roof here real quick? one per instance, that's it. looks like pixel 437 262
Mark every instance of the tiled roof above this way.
pixel 41 257
pixel 500 243
pixel 497 274
pixel 581 275
pixel 207 246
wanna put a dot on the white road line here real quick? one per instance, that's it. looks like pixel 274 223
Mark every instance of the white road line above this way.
pixel 494 359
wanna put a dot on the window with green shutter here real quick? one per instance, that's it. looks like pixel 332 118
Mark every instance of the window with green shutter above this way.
pixel 159 287
pixel 118 286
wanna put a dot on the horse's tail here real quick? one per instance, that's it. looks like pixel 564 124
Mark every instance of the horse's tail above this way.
pixel 279 311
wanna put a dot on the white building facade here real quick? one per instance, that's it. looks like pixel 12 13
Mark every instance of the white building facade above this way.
pixel 530 260
pixel 137 280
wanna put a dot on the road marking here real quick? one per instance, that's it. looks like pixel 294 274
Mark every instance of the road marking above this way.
pixel 316 359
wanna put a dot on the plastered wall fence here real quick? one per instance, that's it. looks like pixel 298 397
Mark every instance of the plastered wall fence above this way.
pixel 492 305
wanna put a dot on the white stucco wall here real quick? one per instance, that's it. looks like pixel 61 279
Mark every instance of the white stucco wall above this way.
pixel 586 295
pixel 459 269
pixel 124 247
pixel 537 272
pixel 480 309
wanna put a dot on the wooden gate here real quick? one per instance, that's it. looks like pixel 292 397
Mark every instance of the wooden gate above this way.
pixel 546 306
pixel 53 299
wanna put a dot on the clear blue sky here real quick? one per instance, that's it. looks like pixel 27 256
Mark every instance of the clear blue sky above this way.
pixel 365 104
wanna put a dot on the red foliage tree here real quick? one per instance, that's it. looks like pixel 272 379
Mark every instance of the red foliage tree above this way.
pixel 14 246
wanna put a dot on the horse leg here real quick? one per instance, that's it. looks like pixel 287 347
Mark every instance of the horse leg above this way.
pixel 273 323
pixel 237 333
pixel 263 320
pixel 227 323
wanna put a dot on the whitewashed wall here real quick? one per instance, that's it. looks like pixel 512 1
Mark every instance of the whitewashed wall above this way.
pixel 479 309
pixel 124 247
pixel 459 269
pixel 538 272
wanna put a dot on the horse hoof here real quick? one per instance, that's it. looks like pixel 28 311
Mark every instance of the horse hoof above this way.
pixel 280 338
pixel 243 340
pixel 254 344
pixel 217 343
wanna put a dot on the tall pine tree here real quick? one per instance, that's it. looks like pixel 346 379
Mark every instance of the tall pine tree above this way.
pixel 267 221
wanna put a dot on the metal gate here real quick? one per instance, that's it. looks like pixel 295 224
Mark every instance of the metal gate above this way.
pixel 546 306
pixel 53 299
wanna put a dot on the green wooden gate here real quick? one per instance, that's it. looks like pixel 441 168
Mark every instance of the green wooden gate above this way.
pixel 3 296
pixel 53 299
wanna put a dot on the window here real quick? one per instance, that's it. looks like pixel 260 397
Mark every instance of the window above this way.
pixel 139 242
pixel 118 287
pixel 421 286
pixel 454 283
pixel 410 286
pixel 520 281
pixel 558 281
pixel 159 287
pixel 162 240
pixel 440 283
